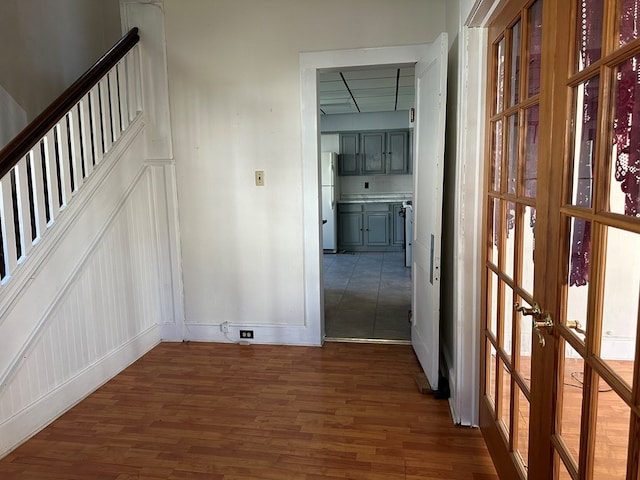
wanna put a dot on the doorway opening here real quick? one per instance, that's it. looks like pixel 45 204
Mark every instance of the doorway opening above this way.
pixel 367 190
pixel 430 62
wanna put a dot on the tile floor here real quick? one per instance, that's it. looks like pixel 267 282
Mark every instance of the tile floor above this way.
pixel 367 296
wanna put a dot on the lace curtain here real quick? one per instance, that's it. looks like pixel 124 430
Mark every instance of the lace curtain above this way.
pixel 626 139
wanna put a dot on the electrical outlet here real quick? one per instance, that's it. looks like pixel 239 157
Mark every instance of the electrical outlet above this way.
pixel 259 178
pixel 224 327
pixel 245 334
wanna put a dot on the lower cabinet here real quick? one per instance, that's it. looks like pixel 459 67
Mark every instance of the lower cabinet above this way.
pixel 350 232
pixel 370 227
pixel 377 229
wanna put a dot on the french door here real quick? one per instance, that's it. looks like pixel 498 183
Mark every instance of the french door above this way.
pixel 560 383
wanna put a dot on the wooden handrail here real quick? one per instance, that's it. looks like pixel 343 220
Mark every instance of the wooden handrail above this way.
pixel 38 128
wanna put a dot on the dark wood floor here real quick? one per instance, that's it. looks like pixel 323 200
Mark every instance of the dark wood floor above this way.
pixel 217 411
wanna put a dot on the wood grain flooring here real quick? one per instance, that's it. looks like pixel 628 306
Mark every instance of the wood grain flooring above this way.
pixel 220 411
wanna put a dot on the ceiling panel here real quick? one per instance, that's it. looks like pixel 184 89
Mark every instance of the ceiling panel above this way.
pixel 362 90
pixel 374 92
pixel 368 74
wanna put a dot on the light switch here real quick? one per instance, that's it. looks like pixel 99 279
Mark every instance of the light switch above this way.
pixel 259 178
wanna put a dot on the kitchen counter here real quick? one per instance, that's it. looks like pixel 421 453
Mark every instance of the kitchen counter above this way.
pixel 374 197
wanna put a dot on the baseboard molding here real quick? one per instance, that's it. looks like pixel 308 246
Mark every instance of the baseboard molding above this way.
pixel 171 332
pixel 447 369
pixel 262 334
pixel 41 413
pixel 618 348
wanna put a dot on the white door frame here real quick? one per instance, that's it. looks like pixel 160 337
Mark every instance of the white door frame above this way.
pixel 310 63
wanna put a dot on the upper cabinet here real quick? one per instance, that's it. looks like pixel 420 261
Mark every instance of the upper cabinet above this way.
pixel 349 149
pixel 398 152
pixel 374 153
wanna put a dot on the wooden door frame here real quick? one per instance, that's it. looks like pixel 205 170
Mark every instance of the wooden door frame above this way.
pixel 551 172
pixel 503 16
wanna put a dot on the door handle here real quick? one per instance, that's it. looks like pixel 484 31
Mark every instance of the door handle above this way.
pixel 333 196
pixel 539 319
pixel 577 326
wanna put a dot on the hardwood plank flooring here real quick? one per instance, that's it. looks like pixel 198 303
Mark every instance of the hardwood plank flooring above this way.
pixel 232 412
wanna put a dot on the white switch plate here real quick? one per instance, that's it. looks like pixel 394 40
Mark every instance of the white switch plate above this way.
pixel 259 178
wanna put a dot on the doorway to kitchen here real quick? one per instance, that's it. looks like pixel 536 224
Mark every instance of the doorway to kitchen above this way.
pixel 430 63
pixel 367 182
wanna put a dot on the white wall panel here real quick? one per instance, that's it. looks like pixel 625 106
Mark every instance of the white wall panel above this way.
pixel 113 299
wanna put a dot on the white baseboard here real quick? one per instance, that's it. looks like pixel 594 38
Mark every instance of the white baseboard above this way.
pixel 450 372
pixel 618 348
pixel 41 413
pixel 262 334
pixel 171 332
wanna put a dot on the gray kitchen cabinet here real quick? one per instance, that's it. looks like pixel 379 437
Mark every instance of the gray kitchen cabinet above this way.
pixel 377 229
pixel 373 148
pixel 350 226
pixel 398 225
pixel 398 152
pixel 374 153
pixel 370 227
pixel 348 161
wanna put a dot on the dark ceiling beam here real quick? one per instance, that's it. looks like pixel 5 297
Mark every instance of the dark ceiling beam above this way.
pixel 395 108
pixel 350 93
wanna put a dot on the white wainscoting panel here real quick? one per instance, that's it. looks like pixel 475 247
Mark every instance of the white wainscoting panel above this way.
pixel 109 303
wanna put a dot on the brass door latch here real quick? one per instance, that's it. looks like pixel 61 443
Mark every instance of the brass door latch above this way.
pixel 540 319
pixel 577 326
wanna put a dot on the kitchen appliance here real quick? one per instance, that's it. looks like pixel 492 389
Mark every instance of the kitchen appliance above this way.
pixel 329 206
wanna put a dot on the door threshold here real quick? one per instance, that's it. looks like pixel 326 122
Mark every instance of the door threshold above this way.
pixel 367 340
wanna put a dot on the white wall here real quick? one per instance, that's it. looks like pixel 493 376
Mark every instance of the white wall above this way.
pixel 45 45
pixel 234 80
pixel 330 142
pixel 13 118
pixel 378 184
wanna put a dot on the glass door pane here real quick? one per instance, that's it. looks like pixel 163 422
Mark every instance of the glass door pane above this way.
pixel 600 291
pixel 562 228
pixel 511 190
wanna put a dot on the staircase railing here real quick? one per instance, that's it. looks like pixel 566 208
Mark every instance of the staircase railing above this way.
pixel 47 163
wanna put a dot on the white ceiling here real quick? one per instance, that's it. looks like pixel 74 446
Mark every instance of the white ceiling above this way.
pixel 381 89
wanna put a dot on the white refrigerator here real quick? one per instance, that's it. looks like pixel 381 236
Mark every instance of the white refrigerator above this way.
pixel 329 202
